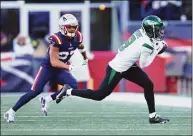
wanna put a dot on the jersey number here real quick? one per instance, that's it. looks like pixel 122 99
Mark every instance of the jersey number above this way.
pixel 127 43
pixel 63 55
pixel 130 40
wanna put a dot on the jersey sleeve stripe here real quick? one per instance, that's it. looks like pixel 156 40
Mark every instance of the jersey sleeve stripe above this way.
pixel 57 38
pixel 147 46
pixel 80 37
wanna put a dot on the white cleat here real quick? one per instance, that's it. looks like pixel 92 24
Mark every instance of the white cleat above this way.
pixel 44 105
pixel 9 116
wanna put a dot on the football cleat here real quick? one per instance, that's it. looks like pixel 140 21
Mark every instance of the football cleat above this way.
pixel 44 105
pixel 9 116
pixel 158 119
pixel 62 94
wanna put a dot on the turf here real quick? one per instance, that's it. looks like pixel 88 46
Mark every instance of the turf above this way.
pixel 76 116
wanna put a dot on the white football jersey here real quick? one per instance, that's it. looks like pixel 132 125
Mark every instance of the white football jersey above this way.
pixel 129 52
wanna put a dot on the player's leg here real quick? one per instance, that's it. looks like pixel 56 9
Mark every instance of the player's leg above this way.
pixel 138 76
pixel 63 77
pixel 41 79
pixel 108 84
pixel 68 80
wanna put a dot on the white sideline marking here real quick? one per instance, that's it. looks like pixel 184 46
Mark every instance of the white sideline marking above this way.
pixel 108 113
pixel 164 100
pixel 76 129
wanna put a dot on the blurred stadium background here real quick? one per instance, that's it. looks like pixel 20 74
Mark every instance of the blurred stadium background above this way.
pixel 105 25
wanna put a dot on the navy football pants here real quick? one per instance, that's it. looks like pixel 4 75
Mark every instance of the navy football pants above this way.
pixel 44 75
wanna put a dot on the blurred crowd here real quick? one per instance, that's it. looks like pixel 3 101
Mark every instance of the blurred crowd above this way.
pixel 22 45
pixel 36 44
pixel 165 9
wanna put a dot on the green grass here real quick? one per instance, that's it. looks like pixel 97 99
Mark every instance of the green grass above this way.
pixel 76 116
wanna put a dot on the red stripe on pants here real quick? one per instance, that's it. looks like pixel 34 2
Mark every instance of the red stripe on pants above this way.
pixel 36 79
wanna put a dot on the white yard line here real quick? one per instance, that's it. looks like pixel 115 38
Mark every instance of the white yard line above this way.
pixel 77 129
pixel 98 116
pixel 104 112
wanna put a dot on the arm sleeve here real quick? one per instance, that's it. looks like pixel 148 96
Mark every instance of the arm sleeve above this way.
pixel 148 54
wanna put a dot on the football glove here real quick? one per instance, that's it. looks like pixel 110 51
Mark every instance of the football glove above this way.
pixel 164 47
pixel 72 68
pixel 85 62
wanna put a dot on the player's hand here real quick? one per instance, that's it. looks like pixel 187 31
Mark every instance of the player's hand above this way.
pixel 164 47
pixel 85 62
pixel 72 68
pixel 159 46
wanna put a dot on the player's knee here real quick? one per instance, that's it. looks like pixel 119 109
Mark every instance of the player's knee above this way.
pixel 99 96
pixel 149 85
pixel 37 89
pixel 74 86
pixel 34 93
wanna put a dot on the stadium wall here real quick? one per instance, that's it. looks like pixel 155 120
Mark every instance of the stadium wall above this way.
pixel 156 72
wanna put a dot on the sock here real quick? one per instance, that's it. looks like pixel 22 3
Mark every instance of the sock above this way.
pixel 11 110
pixel 49 98
pixel 68 92
pixel 151 115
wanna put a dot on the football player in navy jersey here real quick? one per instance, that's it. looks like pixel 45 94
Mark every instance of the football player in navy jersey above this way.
pixel 54 66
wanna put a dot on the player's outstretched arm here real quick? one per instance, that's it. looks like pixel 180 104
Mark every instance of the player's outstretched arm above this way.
pixel 54 59
pixel 82 50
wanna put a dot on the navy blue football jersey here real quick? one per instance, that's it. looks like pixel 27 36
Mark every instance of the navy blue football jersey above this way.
pixel 66 46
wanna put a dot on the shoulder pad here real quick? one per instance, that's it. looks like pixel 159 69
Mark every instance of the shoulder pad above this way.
pixel 54 39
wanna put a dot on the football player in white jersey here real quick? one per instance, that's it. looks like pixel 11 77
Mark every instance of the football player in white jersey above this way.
pixel 143 46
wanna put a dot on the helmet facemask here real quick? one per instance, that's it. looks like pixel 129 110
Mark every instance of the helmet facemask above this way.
pixel 159 34
pixel 65 30
pixel 156 33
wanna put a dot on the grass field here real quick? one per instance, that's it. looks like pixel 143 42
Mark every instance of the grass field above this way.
pixel 76 116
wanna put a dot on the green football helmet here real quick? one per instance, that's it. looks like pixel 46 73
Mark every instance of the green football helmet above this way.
pixel 154 27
